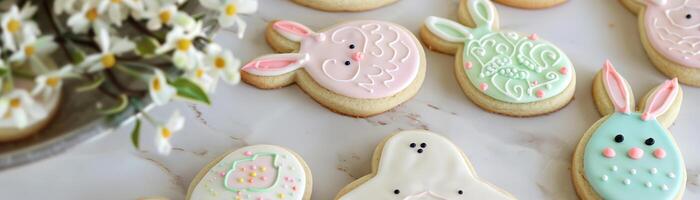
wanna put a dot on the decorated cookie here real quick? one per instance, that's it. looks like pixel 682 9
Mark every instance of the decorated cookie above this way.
pixel 630 154
pixel 670 36
pixel 502 71
pixel 344 5
pixel 418 164
pixel 357 68
pixel 531 4
pixel 258 172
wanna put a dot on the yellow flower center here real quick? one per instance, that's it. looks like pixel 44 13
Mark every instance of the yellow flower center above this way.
pixel 108 60
pixel 165 132
pixel 156 85
pixel 91 14
pixel 199 73
pixel 184 44
pixel 14 25
pixel 231 10
pixel 219 62
pixel 29 50
pixel 165 16
pixel 15 103
pixel 53 81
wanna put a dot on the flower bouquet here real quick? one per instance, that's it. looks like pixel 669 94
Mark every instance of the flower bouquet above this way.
pixel 72 69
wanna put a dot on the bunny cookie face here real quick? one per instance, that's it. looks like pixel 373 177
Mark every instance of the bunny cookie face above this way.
pixel 631 155
pixel 421 165
pixel 673 29
pixel 254 172
pixel 504 66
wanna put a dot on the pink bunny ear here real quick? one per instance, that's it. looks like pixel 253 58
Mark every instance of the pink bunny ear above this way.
pixel 661 100
pixel 616 88
pixel 292 30
pixel 276 64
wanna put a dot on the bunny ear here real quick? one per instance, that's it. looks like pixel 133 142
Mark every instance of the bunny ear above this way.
pixel 483 12
pixel 616 88
pixel 291 30
pixel 276 64
pixel 659 101
pixel 447 30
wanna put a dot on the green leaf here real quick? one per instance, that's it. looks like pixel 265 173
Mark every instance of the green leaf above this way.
pixel 77 55
pixel 4 71
pixel 146 46
pixel 123 104
pixel 91 86
pixel 135 134
pixel 189 90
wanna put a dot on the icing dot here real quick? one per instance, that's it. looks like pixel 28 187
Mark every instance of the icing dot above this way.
pixel 653 170
pixel 633 171
pixel 242 169
pixel 484 86
pixel 253 174
pixel 412 145
pixel 671 175
pixel 649 141
pixel 222 174
pixel 635 153
pixel 609 152
pixel 280 195
pixel 535 83
pixel 468 65
pixel 420 150
pixel 263 169
pixel 563 70
pixel 664 187
pixel 614 168
pixel 540 93
pixel 604 177
pixel 253 167
pixel 263 178
pixel 240 180
pixel 423 145
pixel 660 153
pixel 648 184
pixel 627 181
pixel 250 180
pixel 260 198
pixel 533 37
pixel 247 153
pixel 619 138
pixel 397 191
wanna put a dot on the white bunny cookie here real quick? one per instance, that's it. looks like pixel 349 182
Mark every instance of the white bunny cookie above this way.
pixel 670 36
pixel 531 4
pixel 344 5
pixel 628 154
pixel 357 68
pixel 420 164
pixel 501 71
pixel 254 172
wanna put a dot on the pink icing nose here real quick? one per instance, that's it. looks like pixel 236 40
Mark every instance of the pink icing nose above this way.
pixel 357 56
pixel 635 153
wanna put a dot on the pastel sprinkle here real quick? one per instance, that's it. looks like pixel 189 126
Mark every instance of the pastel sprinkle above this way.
pixel 280 195
pixel 240 180
pixel 247 153
pixel 648 184
pixel 263 169
pixel 627 181
pixel 535 83
pixel 614 168
pixel 653 171
pixel 468 65
pixel 253 167
pixel 605 177
pixel 286 178
pixel 222 174
pixel 250 180
pixel 263 178
pixel 563 70
pixel 253 174
pixel 484 86
pixel 294 188
pixel 242 169
pixel 664 187
pixel 540 93
pixel 633 171
pixel 671 175
pixel 533 37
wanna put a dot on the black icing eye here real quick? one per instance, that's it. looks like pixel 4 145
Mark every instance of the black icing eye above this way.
pixel 347 62
pixel 396 191
pixel 688 16
pixel 423 145
pixel 649 141
pixel 420 150
pixel 619 138
pixel 412 145
pixel 460 192
pixel 352 46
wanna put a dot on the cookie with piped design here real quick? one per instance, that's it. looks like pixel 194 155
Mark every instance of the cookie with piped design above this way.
pixel 344 5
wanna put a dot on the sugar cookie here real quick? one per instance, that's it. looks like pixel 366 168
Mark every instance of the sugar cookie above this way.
pixel 344 5
pixel 531 4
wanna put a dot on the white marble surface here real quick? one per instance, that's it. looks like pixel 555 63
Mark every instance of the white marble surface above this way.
pixel 528 157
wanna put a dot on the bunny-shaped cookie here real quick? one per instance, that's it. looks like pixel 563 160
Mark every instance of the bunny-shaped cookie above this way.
pixel 670 36
pixel 357 68
pixel 344 5
pixel 629 154
pixel 501 71
pixel 418 164
pixel 531 4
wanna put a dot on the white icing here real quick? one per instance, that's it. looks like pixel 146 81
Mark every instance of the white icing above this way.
pixel 440 171
pixel 432 24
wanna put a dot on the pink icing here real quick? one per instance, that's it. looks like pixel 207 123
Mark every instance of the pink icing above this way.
pixel 564 70
pixel 384 59
pixel 616 88
pixel 673 29
pixel 292 30
pixel 661 99
pixel 533 37
pixel 635 153
pixel 539 93
pixel 609 152
pixel 660 153
pixel 484 86
pixel 468 65
pixel 247 153
pixel 240 179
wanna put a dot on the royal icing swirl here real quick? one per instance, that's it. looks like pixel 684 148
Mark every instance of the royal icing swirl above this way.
pixel 254 172
pixel 672 28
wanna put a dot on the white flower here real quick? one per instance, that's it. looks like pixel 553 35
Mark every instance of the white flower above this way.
pixel 161 92
pixel 69 6
pixel 21 108
pixel 90 16
pixel 118 10
pixel 33 50
pixel 223 64
pixel 50 82
pixel 175 123
pixel 106 59
pixel 229 10
pixel 17 24
pixel 186 56
pixel 203 77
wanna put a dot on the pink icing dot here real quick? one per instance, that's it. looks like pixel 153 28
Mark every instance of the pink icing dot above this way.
pixel 533 37
pixel 294 188
pixel 263 178
pixel 253 167
pixel 635 153
pixel 484 86
pixel 563 70
pixel 535 83
pixel 540 93
pixel 222 174
pixel 468 65
pixel 247 153
pixel 260 198
pixel 609 152
pixel 660 153
pixel 242 169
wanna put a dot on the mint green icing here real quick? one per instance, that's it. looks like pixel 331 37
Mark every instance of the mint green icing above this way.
pixel 655 178
pixel 234 167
